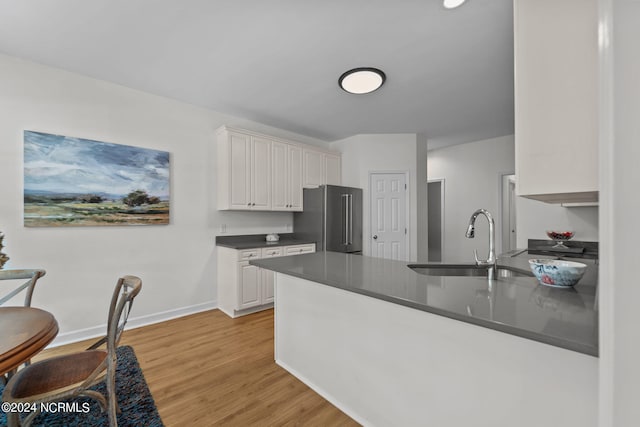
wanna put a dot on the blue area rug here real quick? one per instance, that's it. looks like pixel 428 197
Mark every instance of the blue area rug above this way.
pixel 134 399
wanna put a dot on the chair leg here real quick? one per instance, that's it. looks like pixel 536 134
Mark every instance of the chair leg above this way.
pixel 112 399
pixel 26 422
pixel 13 419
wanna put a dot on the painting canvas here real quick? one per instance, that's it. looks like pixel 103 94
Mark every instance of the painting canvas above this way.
pixel 79 182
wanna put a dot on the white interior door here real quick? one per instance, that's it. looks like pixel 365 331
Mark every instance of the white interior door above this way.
pixel 388 213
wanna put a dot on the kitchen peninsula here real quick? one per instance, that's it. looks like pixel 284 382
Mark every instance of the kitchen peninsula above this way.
pixel 390 346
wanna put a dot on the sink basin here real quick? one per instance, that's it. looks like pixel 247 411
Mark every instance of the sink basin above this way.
pixel 468 270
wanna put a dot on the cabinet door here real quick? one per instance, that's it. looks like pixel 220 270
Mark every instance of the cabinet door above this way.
pixel 261 176
pixel 313 169
pixel 332 169
pixel 267 285
pixel 295 178
pixel 239 171
pixel 249 291
pixel 556 100
pixel 279 177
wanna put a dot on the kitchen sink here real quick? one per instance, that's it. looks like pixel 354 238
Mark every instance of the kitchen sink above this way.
pixel 468 270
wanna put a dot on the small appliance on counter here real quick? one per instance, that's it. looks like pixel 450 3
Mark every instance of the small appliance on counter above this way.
pixel 272 237
pixel 332 218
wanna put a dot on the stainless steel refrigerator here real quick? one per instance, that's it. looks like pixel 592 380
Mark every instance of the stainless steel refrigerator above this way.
pixel 332 217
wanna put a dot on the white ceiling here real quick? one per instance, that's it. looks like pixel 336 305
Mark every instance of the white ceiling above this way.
pixel 277 62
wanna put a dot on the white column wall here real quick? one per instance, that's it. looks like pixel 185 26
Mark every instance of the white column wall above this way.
pixel 620 204
pixel 365 153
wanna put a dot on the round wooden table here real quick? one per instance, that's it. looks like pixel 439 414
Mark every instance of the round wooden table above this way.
pixel 24 331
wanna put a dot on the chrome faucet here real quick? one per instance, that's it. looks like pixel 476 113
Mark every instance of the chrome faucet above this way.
pixel 471 231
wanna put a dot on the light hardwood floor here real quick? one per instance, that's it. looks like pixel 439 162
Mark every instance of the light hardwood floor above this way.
pixel 207 369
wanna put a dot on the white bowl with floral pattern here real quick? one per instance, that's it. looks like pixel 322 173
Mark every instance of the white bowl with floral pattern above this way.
pixel 558 273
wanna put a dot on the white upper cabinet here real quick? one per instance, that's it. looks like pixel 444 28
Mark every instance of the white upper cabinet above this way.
pixel 286 172
pixel 332 169
pixel 313 168
pixel 244 171
pixel 321 168
pixel 279 177
pixel 259 172
pixel 556 65
pixel 237 162
pixel 294 153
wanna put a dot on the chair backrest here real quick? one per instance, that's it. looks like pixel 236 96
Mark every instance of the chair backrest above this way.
pixel 126 290
pixel 28 286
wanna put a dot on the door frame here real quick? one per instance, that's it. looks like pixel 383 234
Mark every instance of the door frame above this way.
pixel 442 213
pixel 503 220
pixel 406 208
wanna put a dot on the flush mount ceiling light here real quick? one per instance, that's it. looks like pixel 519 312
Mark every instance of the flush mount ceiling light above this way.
pixel 362 80
pixel 452 4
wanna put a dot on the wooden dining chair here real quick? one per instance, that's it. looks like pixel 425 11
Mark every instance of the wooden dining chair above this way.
pixel 11 276
pixel 67 376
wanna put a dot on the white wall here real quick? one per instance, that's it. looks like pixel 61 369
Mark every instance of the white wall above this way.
pixel 176 262
pixel 365 153
pixel 472 179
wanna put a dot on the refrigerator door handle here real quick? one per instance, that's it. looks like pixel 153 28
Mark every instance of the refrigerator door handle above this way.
pixel 345 224
pixel 350 219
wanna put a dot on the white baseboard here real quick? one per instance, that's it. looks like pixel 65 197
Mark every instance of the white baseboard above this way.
pixel 324 394
pixel 132 323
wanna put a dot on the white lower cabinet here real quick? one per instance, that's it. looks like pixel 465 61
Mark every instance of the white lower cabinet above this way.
pixel 249 291
pixel 244 288
pixel 268 277
pixel 299 249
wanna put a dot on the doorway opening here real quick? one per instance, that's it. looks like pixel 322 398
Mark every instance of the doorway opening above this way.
pixel 508 212
pixel 435 219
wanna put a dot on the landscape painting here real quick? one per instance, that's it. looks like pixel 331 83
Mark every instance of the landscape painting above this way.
pixel 79 182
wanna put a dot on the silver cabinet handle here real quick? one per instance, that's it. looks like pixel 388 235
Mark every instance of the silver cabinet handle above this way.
pixel 375 237
pixel 249 204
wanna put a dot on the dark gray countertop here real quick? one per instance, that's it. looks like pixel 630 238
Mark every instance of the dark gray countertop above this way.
pixel 251 241
pixel 566 318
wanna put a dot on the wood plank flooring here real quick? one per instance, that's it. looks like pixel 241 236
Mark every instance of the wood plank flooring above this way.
pixel 207 369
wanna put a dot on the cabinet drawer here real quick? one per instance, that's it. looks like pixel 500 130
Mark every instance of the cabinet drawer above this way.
pixel 248 254
pixel 271 252
pixel 300 249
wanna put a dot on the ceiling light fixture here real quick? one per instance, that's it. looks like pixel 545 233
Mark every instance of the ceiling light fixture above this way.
pixel 362 80
pixel 452 4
